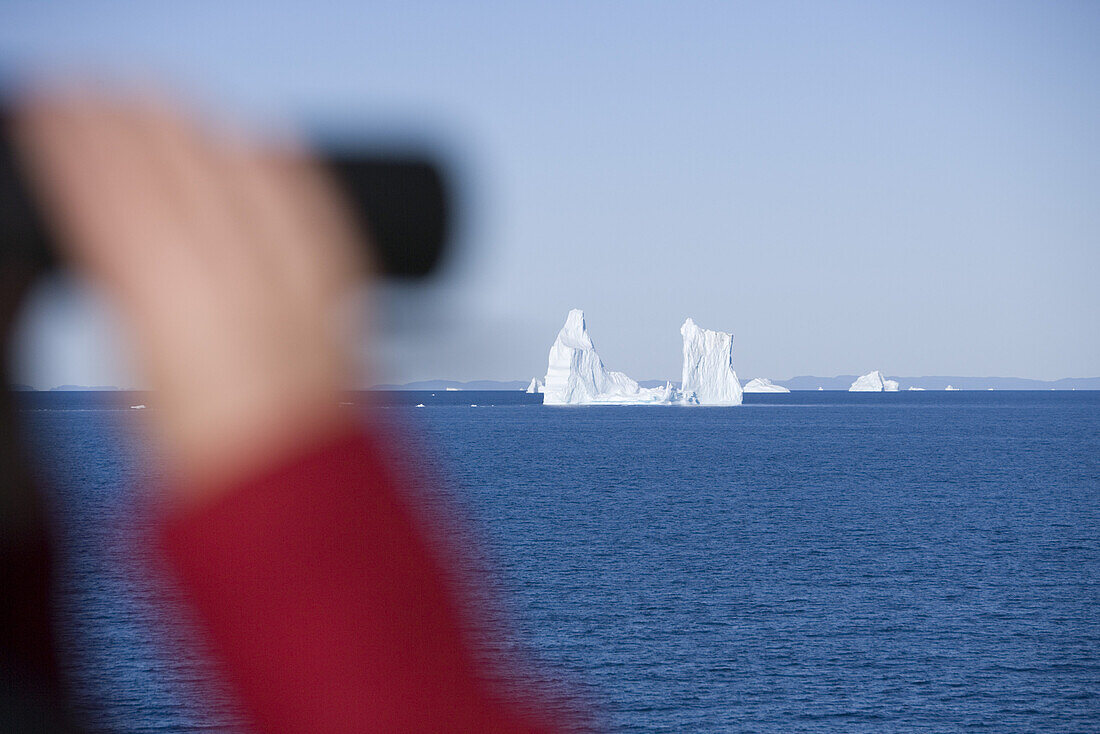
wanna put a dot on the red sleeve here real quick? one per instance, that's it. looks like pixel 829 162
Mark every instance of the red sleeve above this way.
pixel 329 604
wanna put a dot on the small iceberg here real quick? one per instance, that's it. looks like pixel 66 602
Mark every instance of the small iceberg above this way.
pixel 536 386
pixel 137 407
pixel 911 388
pixel 420 405
pixel 951 388
pixel 873 382
pixel 453 389
pixel 763 384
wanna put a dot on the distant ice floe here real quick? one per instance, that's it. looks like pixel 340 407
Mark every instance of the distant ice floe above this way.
pixel 911 388
pixel 137 407
pixel 453 389
pixel 951 387
pixel 873 382
pixel 536 386
pixel 420 405
pixel 575 374
pixel 763 384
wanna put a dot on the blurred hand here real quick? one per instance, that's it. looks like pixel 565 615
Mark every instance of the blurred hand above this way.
pixel 228 263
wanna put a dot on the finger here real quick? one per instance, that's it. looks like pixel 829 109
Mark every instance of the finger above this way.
pixel 189 175
pixel 304 247
pixel 326 212
pixel 83 175
pixel 149 235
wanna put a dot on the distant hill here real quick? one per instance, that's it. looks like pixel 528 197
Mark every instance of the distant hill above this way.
pixel 657 383
pixel 804 382
pixel 843 382
pixel 84 388
pixel 455 385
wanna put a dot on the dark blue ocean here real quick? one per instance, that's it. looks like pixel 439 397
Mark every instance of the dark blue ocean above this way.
pixel 811 562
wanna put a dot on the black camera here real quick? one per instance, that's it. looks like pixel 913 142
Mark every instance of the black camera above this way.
pixel 400 202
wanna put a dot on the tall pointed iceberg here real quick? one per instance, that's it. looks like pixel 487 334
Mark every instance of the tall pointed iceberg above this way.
pixel 708 377
pixel 575 374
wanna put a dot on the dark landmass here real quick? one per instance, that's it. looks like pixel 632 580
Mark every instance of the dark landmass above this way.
pixel 472 385
pixel 938 382
pixel 804 382
pixel 84 388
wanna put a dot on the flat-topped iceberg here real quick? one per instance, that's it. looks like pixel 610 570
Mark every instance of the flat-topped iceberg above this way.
pixel 536 386
pixel 763 384
pixel 873 382
pixel 708 377
pixel 575 374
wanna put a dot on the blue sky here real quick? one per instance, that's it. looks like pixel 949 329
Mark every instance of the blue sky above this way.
pixel 844 186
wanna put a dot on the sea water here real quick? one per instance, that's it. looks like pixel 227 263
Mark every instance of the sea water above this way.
pixel 807 562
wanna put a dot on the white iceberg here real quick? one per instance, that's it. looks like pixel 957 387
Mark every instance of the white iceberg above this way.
pixel 763 384
pixel 873 382
pixel 575 374
pixel 708 377
pixel 536 386
pixel 950 387
pixel 914 388
pixel 137 407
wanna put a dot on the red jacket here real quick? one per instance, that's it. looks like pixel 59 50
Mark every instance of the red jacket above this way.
pixel 331 606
